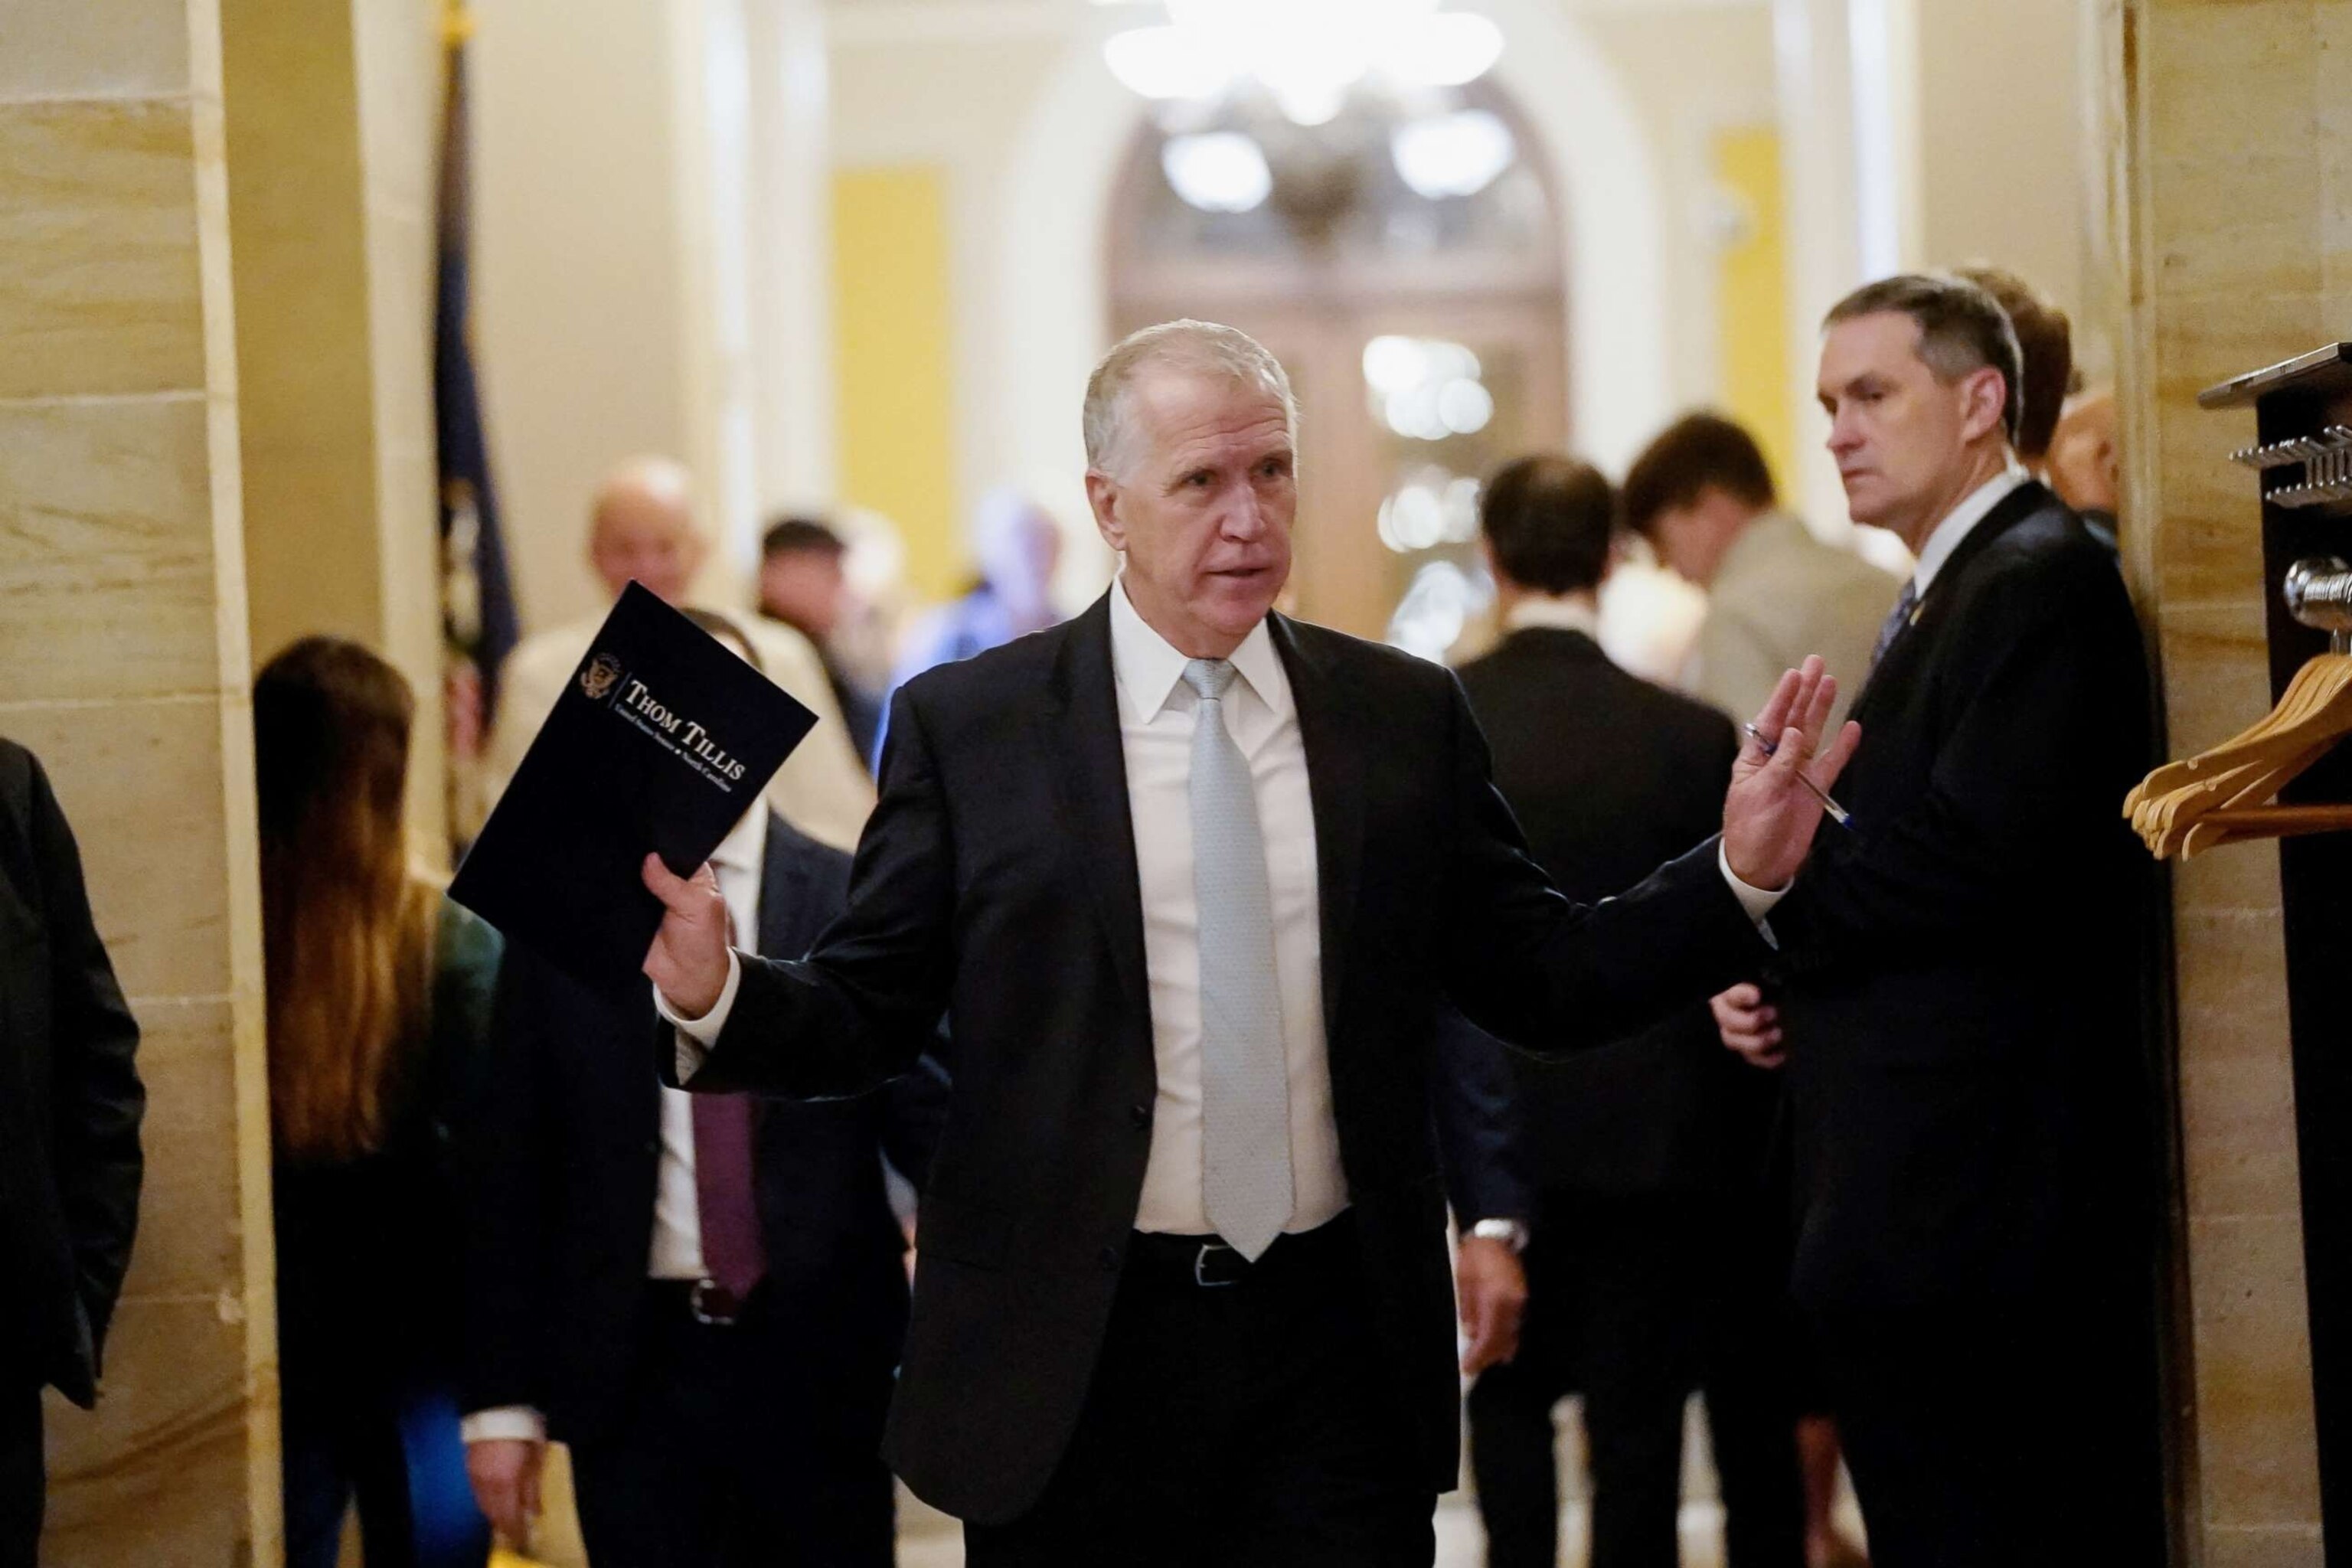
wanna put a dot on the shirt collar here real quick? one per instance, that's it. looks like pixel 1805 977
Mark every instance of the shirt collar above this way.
pixel 1558 613
pixel 745 847
pixel 1148 668
pixel 1961 521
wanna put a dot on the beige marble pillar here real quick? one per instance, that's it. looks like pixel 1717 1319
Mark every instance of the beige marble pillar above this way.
pixel 122 631
pixel 333 132
pixel 1814 78
pixel 2226 144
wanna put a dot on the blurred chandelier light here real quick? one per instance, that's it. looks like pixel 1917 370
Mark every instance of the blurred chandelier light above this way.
pixel 1426 389
pixel 1217 171
pixel 1306 53
pixel 1452 154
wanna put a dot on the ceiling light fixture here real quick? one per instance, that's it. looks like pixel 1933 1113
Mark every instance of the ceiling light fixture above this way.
pixel 1217 171
pixel 1457 154
pixel 1307 54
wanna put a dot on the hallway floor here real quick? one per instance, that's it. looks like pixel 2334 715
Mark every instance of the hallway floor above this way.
pixel 928 1540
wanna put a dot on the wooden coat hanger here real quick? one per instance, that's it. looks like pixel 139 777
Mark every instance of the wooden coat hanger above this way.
pixel 2219 797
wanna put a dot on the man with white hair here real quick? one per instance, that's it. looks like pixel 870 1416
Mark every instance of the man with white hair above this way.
pixel 642 529
pixel 1192 878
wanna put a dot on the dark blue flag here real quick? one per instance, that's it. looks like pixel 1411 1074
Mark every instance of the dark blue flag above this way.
pixel 479 621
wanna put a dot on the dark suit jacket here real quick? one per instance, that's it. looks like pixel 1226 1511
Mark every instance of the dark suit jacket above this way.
pixel 1609 775
pixel 1962 971
pixel 70 1100
pixel 997 882
pixel 564 1152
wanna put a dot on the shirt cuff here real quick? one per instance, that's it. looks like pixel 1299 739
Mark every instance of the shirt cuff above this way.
pixel 1757 901
pixel 504 1423
pixel 696 1037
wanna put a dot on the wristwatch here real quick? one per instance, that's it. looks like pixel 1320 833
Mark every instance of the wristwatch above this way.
pixel 1511 1232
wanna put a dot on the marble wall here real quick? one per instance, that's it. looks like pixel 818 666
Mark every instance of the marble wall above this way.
pixel 2227 142
pixel 122 627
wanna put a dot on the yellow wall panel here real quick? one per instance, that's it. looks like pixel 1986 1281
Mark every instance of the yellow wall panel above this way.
pixel 894 323
pixel 1752 299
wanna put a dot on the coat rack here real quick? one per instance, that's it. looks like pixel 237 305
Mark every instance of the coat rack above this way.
pixel 2302 455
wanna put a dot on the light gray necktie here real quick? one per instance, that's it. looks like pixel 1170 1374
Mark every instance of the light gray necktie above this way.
pixel 1245 1079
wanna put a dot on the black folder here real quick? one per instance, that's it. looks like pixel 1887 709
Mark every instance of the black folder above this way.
pixel 662 740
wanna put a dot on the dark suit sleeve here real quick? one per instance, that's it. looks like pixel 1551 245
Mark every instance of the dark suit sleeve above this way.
pixel 507 1159
pixel 2044 700
pixel 863 1007
pixel 1550 976
pixel 914 1109
pixel 1478 1128
pixel 98 1098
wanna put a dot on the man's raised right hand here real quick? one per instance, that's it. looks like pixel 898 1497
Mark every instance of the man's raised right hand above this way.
pixel 688 962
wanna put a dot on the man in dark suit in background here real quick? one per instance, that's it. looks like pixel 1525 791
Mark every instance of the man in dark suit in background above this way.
pixel 70 1103
pixel 703 1298
pixel 804 584
pixel 1961 978
pixel 1650 1241
pixel 1192 879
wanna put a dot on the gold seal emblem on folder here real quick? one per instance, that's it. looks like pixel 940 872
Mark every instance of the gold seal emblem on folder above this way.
pixel 604 672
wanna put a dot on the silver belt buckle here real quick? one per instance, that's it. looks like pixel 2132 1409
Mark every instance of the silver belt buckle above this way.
pixel 1200 1267
pixel 713 1306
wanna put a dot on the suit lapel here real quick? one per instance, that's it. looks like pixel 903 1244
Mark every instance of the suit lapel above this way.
pixel 1911 645
pixel 1080 725
pixel 1330 729
pixel 783 895
pixel 782 915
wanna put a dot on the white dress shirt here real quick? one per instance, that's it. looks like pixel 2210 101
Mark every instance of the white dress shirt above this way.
pixel 1156 714
pixel 1961 521
pixel 1555 612
pixel 677 1248
pixel 677 1219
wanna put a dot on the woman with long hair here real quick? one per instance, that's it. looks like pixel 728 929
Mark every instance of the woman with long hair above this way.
pixel 379 992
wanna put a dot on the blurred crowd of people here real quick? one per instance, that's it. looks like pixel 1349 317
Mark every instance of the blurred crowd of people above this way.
pixel 1884 1188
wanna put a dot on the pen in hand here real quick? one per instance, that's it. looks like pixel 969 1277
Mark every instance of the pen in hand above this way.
pixel 1838 813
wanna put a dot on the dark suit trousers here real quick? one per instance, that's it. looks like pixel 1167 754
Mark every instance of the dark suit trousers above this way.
pixel 1247 1425
pixel 742 1446
pixel 24 1479
pixel 1996 1436
pixel 1635 1299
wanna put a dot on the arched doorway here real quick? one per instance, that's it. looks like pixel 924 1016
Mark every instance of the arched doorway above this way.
pixel 1404 261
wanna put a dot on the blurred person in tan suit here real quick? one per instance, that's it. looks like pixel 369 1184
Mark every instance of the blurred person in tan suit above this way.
pixel 1702 495
pixel 642 527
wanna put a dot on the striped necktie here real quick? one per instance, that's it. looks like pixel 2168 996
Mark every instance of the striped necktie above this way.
pixel 1897 619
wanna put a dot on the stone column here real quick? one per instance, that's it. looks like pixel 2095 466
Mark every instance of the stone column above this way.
pixel 334 134
pixel 748 110
pixel 1814 76
pixel 123 634
pixel 2226 147
pixel 789 228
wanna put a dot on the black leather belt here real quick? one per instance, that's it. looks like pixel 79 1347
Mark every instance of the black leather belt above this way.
pixel 707 1301
pixel 1207 1263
